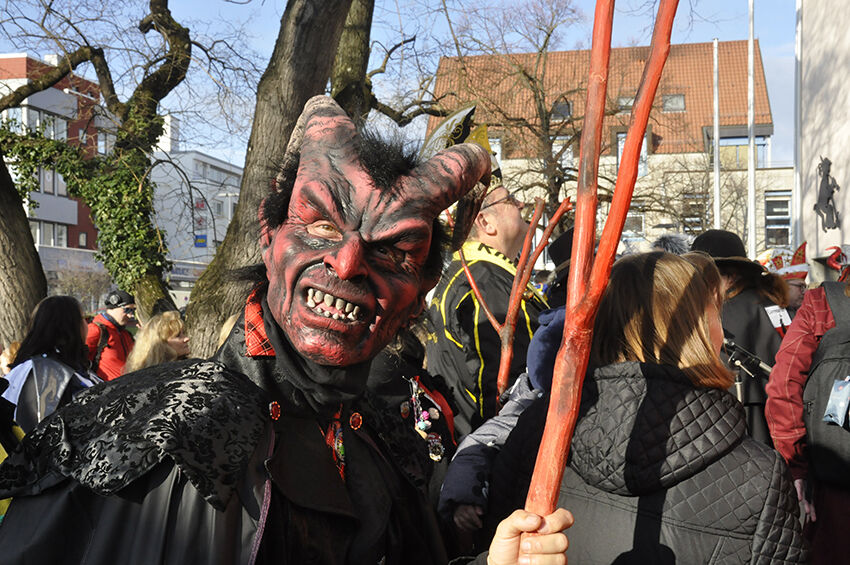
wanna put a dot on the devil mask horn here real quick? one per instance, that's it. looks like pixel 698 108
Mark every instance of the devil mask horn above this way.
pixel 325 133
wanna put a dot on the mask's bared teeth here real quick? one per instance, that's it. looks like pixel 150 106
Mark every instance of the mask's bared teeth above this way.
pixel 350 316
pixel 339 304
pixel 318 295
pixel 329 300
pixel 356 311
pixel 349 307
pixel 310 302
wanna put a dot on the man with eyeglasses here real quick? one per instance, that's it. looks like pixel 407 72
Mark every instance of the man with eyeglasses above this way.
pixel 462 345
pixel 108 340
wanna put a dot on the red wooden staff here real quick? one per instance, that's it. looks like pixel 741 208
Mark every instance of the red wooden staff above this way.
pixel 587 280
pixel 525 267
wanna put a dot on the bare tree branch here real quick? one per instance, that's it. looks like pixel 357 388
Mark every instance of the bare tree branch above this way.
pixel 66 65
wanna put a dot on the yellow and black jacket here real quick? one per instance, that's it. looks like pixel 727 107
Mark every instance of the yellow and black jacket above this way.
pixel 462 346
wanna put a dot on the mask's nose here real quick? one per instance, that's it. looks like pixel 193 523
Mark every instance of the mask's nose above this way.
pixel 348 261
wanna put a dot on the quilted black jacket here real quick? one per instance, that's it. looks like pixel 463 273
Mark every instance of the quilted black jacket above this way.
pixel 660 472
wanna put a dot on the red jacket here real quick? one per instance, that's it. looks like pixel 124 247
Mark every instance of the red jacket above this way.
pixel 118 346
pixel 784 410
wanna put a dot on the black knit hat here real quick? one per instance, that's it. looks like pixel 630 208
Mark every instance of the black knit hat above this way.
pixel 726 248
pixel 118 298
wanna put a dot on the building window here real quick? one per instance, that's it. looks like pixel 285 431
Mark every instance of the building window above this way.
pixel 562 151
pixel 643 167
pixel 61 235
pixel 734 152
pixel 218 207
pixel 777 218
pixel 13 119
pixel 624 104
pixel 200 169
pixel 634 224
pixel 673 103
pixel 53 127
pixel 694 213
pixel 81 136
pixel 60 129
pixel 233 204
pixel 105 142
pixel 47 180
pixel 46 233
pixel 34 231
pixel 496 148
pixel 561 110
pixel 61 187
pixel 33 117
pixel 83 239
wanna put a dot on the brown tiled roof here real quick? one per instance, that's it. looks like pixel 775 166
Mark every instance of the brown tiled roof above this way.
pixel 490 81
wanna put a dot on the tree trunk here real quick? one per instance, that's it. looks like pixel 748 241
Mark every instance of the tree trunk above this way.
pixel 299 68
pixel 349 86
pixel 22 282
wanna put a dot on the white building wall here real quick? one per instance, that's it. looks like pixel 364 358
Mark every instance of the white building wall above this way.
pixel 193 204
pixel 825 117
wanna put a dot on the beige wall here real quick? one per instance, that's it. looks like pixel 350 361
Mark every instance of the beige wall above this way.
pixel 669 177
pixel 825 104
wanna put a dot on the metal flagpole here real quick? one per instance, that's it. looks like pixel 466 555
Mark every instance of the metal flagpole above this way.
pixel 716 139
pixel 751 161
pixel 797 198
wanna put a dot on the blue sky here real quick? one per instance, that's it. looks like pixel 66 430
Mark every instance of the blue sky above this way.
pixel 696 21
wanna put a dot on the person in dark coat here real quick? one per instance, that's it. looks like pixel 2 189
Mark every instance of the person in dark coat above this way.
pixel 50 367
pixel 273 451
pixel 660 469
pixel 754 318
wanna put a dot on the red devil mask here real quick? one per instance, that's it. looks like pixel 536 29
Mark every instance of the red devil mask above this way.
pixel 345 268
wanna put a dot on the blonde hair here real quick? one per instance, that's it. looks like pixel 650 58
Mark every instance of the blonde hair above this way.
pixel 654 310
pixel 151 346
pixel 8 357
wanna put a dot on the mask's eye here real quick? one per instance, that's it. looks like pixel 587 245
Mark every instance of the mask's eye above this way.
pixel 389 253
pixel 325 230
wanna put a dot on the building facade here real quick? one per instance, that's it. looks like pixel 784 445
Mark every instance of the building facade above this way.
pixel 535 116
pixel 195 199
pixel 824 119
pixel 61 225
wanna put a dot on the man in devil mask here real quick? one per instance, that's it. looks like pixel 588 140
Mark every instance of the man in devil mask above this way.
pixel 272 452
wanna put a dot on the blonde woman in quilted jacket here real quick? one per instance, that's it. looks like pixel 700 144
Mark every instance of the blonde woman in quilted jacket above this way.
pixel 661 469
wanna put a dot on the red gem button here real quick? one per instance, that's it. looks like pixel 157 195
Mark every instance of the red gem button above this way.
pixel 355 421
pixel 274 410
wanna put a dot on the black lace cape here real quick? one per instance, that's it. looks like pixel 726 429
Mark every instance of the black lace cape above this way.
pixel 203 416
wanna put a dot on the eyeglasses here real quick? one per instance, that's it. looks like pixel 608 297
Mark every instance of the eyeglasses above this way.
pixel 130 311
pixel 800 284
pixel 510 198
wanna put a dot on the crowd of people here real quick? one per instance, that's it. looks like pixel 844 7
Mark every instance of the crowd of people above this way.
pixel 351 412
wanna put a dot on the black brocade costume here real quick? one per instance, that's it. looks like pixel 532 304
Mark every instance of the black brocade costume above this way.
pixel 182 463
